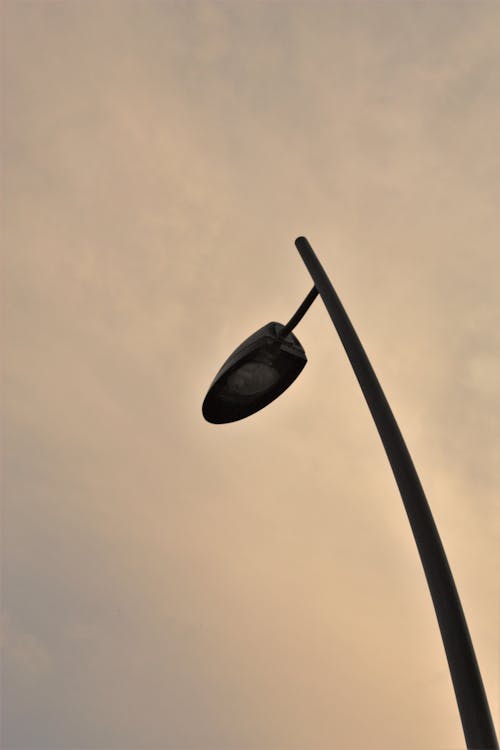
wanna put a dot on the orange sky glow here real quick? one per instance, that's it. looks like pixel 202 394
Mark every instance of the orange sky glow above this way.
pixel 168 584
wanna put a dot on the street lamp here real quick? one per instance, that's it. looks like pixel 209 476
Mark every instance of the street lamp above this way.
pixel 260 370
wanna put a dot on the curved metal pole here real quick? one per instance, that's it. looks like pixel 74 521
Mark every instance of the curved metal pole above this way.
pixel 471 698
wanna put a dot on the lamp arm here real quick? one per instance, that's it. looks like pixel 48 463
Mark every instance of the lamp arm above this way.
pixel 297 316
pixel 469 690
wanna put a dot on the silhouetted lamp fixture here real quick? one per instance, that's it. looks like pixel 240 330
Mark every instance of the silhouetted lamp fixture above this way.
pixel 258 371
pixel 264 366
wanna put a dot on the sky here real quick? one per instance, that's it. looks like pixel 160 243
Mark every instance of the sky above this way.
pixel 168 584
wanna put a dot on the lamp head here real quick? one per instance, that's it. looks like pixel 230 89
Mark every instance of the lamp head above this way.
pixel 256 373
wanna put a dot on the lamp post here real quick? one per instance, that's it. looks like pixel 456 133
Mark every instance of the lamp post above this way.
pixel 260 370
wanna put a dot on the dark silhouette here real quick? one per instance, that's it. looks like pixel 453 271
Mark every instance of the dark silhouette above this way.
pixel 260 370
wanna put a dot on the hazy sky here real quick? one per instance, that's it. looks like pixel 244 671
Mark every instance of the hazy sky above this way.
pixel 174 585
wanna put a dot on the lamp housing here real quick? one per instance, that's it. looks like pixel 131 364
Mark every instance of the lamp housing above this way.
pixel 256 373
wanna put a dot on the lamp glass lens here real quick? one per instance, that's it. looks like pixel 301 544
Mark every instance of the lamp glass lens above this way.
pixel 251 378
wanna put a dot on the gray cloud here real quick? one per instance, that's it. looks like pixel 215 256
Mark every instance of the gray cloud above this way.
pixel 171 585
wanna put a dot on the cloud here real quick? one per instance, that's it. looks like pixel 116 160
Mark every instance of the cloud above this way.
pixel 169 584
